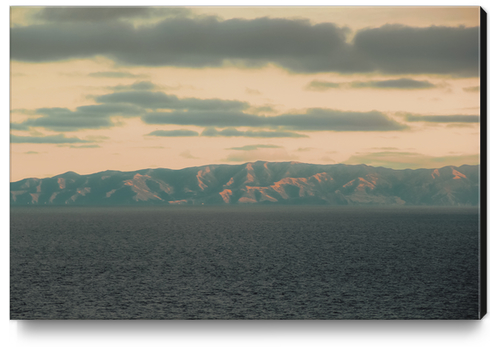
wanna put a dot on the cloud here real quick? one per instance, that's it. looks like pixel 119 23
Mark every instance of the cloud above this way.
pixel 45 139
pixel 113 74
pixel 313 120
pixel 104 14
pixel 145 85
pixel 232 132
pixel 187 154
pixel 160 100
pixel 398 49
pixel 410 160
pixel 261 109
pixel 71 121
pixel 174 133
pixel 253 147
pixel 475 89
pixel 296 45
pixel 401 83
pixel 18 126
pixel 460 125
pixel 442 119
pixel 316 119
pixel 84 117
pixel 208 113
pixel 103 110
pixel 205 119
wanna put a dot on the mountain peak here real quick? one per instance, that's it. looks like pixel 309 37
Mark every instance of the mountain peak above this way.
pixel 68 174
pixel 256 183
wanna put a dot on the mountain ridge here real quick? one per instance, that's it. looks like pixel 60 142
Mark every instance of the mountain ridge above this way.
pixel 259 182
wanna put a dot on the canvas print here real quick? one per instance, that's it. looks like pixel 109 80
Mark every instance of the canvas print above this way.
pixel 242 163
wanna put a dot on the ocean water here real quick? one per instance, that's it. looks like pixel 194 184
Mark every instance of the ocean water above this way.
pixel 258 262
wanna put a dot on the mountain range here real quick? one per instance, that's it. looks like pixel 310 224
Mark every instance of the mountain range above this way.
pixel 256 183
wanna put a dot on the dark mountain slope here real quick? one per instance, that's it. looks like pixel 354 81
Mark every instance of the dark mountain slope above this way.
pixel 256 183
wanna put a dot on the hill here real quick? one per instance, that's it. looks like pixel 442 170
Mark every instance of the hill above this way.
pixel 256 183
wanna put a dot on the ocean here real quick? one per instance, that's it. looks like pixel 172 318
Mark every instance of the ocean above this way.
pixel 244 262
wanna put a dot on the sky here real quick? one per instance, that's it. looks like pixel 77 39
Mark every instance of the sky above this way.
pixel 94 89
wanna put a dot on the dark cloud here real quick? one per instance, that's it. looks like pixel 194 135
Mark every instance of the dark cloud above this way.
pixel 99 14
pixel 460 125
pixel 70 123
pixel 204 119
pixel 18 126
pixel 113 74
pixel 475 89
pixel 253 147
pixel 261 109
pixel 232 132
pixel 45 139
pixel 296 45
pixel 205 113
pixel 401 83
pixel 145 85
pixel 410 160
pixel 156 100
pixel 174 133
pixel 316 119
pixel 312 120
pixel 442 119
pixel 105 110
pixel 201 42
pixel 398 49
pixel 84 117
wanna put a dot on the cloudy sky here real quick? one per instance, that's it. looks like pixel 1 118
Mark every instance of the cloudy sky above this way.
pixel 135 88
